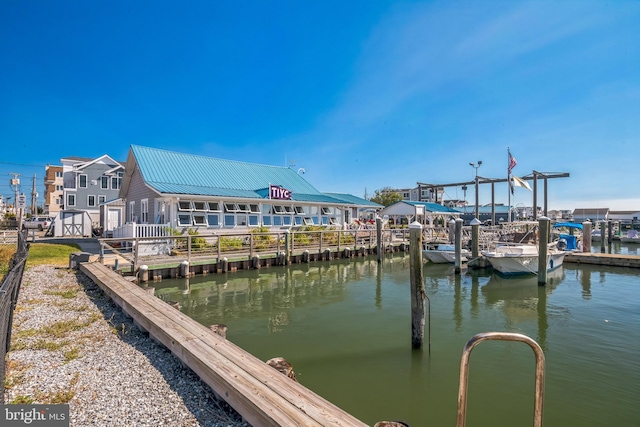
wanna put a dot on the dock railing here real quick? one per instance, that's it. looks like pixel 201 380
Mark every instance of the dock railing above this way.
pixel 165 248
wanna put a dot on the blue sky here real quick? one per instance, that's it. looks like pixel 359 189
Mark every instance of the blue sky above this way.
pixel 361 94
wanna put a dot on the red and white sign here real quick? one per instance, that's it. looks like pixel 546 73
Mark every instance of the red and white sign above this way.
pixel 279 193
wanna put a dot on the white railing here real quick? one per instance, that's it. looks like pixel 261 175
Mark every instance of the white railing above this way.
pixel 131 230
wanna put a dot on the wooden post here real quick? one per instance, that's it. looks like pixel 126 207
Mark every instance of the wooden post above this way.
pixel 586 236
pixel 603 235
pixel 475 237
pixel 458 244
pixel 220 329
pixel 610 233
pixel 417 285
pixel 143 273
pixel 184 268
pixel 281 365
pixel 379 238
pixel 287 249
pixel 543 249
pixel 452 231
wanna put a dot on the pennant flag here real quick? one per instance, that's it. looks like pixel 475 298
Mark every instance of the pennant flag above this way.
pixel 511 186
pixel 512 162
pixel 520 183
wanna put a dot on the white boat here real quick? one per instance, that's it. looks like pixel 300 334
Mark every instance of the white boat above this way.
pixel 444 254
pixel 522 258
pixel 632 237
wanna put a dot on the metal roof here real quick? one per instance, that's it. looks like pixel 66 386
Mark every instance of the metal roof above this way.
pixel 353 200
pixel 431 207
pixel 170 172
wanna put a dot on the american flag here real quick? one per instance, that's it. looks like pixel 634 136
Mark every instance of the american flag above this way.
pixel 512 162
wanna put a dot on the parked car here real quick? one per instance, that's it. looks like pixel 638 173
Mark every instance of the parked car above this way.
pixel 37 222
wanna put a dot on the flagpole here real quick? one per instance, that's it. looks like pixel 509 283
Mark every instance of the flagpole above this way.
pixel 509 183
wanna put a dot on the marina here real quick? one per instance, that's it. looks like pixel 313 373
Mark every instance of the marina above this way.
pixel 346 322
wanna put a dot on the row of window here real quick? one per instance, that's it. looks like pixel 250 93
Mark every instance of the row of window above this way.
pixel 92 200
pixel 105 182
pixel 201 206
pixel 242 220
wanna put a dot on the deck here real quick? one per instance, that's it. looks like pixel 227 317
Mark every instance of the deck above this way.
pixel 259 393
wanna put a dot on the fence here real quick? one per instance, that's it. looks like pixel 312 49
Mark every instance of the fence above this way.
pixel 8 298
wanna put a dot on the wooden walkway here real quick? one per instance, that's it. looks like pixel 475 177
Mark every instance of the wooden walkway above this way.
pixel 611 260
pixel 259 393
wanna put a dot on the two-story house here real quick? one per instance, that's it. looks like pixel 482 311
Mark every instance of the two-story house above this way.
pixel 53 190
pixel 90 183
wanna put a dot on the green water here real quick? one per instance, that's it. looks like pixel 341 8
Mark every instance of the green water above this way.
pixel 345 327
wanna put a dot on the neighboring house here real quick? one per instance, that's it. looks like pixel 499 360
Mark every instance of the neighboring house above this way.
pixel 186 191
pixel 89 183
pixel 484 213
pixel 426 213
pixel 416 194
pixel 53 190
pixel 591 214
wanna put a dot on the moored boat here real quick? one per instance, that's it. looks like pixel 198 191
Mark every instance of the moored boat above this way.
pixel 444 254
pixel 522 258
pixel 632 237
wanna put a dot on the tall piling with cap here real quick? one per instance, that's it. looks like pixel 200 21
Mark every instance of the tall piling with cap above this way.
pixel 543 248
pixel 586 236
pixel 379 238
pixel 475 237
pixel 458 244
pixel 418 293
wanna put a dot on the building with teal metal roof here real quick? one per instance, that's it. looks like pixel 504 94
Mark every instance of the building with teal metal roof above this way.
pixel 193 191
pixel 426 213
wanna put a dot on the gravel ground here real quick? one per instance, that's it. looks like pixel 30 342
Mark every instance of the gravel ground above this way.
pixel 71 344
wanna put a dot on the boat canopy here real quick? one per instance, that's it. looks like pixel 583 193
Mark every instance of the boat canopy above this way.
pixel 568 225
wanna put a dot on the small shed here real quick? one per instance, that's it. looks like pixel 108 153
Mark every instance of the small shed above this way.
pixel 72 223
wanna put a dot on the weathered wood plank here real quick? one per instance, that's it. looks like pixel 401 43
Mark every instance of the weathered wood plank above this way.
pixel 262 395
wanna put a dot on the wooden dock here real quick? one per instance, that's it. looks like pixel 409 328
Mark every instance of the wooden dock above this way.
pixel 609 260
pixel 259 393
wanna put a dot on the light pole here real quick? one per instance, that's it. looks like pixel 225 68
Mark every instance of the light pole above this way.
pixel 476 166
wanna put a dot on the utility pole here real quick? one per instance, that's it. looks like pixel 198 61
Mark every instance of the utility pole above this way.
pixel 34 196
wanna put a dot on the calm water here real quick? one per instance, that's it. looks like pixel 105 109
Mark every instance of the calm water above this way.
pixel 345 328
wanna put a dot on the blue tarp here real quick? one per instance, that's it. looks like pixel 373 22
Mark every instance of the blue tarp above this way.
pixel 568 225
pixel 572 241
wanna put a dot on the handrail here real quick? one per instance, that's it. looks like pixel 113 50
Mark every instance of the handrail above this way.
pixel 503 336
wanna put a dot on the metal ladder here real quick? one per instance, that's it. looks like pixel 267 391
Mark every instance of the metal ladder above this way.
pixel 502 336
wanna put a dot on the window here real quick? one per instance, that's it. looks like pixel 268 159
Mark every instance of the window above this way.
pixel 184 205
pixel 213 220
pixel 91 201
pixel 277 220
pixel 325 220
pixel 254 208
pixel 229 220
pixel 199 206
pixel 102 200
pixel 326 210
pixel 132 211
pixel 286 220
pixel 299 210
pixel 71 199
pixel 82 181
pixel 58 174
pixel 144 211
pixel 278 209
pixel 266 221
pixel 184 220
pixel 266 209
pixel 288 209
pixel 59 187
pixel 214 206
pixel 333 221
pixel 242 220
pixel 299 220
pixel 104 182
pixel 115 183
pixel 253 220
pixel 230 207
pixel 243 207
pixel 308 221
pixel 199 219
